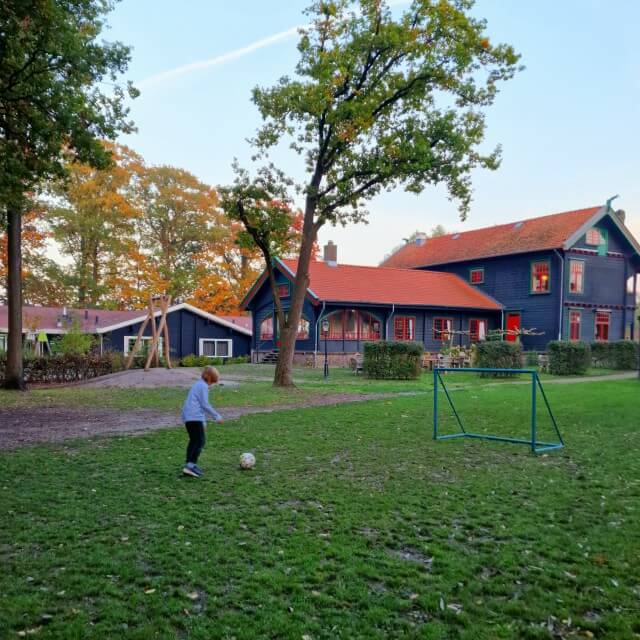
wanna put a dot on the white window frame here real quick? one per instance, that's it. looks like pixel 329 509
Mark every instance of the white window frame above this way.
pixel 3 341
pixel 144 339
pixel 215 340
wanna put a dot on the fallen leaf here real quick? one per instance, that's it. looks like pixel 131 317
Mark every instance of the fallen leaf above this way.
pixel 455 607
pixel 441 604
pixel 149 591
pixel 413 596
pixel 194 595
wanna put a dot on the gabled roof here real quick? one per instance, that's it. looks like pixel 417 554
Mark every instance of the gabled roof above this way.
pixel 141 315
pixel 53 320
pixel 378 285
pixel 535 234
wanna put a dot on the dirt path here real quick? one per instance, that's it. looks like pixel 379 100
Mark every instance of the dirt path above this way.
pixel 19 427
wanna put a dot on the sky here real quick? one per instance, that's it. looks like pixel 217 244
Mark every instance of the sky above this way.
pixel 568 124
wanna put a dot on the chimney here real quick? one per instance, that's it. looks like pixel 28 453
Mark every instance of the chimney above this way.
pixel 331 254
pixel 64 312
pixel 622 216
pixel 96 321
pixel 421 238
pixel 86 314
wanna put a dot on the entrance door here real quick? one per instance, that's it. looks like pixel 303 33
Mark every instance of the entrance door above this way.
pixel 513 327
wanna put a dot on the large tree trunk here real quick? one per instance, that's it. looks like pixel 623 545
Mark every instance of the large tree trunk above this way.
pixel 14 375
pixel 284 367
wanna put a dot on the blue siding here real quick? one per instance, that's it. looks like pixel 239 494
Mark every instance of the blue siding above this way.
pixel 261 307
pixel 185 331
pixel 508 280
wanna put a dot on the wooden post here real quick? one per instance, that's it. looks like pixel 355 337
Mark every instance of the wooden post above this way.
pixel 166 300
pixel 167 344
pixel 154 331
pixel 136 345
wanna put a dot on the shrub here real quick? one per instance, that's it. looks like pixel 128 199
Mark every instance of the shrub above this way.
pixel 74 342
pixel 197 361
pixel 492 354
pixel 392 360
pixel 66 368
pixel 622 354
pixel 202 361
pixel 568 358
pixel 531 358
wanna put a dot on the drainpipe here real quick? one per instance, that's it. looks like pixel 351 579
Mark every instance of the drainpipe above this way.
pixel 315 352
pixel 502 323
pixel 393 310
pixel 560 317
pixel 624 299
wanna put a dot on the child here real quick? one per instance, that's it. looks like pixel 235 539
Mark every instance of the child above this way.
pixel 194 412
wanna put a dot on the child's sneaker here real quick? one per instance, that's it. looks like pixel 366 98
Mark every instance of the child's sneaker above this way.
pixel 198 470
pixel 191 470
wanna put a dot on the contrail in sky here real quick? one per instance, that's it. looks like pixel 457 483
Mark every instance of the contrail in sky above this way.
pixel 186 69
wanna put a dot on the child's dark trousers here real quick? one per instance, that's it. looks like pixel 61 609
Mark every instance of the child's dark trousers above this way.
pixel 196 440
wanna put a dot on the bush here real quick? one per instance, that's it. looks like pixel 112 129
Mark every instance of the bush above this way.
pixel 392 360
pixel 492 354
pixel 568 358
pixel 531 358
pixel 202 361
pixel 67 368
pixel 73 343
pixel 196 361
pixel 615 355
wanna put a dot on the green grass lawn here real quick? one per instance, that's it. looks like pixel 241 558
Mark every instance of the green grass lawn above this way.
pixel 354 524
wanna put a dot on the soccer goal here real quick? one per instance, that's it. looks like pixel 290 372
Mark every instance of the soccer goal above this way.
pixel 442 394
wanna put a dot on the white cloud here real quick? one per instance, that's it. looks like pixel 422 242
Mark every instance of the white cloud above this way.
pixel 186 69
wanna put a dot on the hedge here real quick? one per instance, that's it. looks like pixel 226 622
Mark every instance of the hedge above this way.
pixel 568 358
pixel 66 368
pixel 622 354
pixel 392 360
pixel 202 361
pixel 498 355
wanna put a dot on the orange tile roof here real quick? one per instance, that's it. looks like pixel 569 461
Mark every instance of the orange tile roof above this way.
pixel 535 234
pixel 379 285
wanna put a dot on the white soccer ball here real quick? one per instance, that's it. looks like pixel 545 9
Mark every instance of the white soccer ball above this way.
pixel 247 461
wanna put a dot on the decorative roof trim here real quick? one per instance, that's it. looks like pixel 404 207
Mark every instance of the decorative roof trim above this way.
pixel 595 218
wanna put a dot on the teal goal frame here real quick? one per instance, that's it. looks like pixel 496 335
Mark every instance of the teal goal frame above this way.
pixel 536 445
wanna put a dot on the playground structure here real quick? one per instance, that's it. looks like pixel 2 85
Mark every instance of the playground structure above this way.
pixel 157 331
pixel 536 445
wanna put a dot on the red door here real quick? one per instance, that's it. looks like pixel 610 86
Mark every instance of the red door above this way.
pixel 513 326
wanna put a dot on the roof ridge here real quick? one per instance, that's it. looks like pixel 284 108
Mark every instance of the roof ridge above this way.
pixel 508 224
pixel 369 266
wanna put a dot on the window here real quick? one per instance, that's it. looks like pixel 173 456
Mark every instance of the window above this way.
pixel 603 320
pixel 575 318
pixel 283 290
pixel 404 328
pixel 476 276
pixel 303 329
pixel 594 237
pixel 3 341
pixel 576 276
pixel 368 326
pixel 540 281
pixel 598 238
pixel 212 348
pixel 266 328
pixel 352 325
pixel 477 330
pixel 129 342
pixel 442 328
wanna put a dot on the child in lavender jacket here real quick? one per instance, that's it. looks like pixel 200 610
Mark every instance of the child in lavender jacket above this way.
pixel 194 415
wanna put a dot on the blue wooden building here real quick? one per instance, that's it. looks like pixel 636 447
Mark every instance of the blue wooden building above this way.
pixel 191 330
pixel 568 276
pixel 363 304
